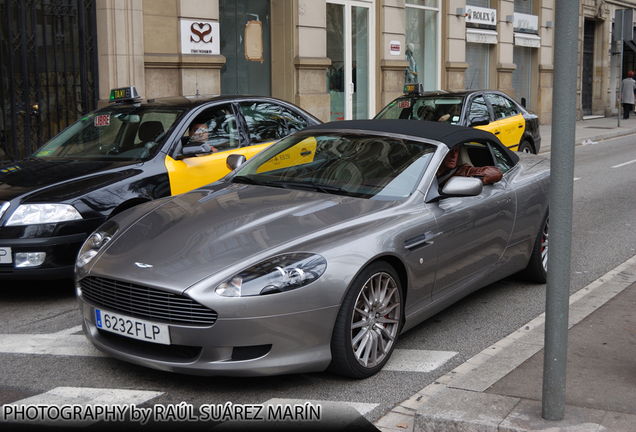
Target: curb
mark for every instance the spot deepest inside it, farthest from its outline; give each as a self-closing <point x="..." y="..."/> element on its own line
<point x="456" y="400"/>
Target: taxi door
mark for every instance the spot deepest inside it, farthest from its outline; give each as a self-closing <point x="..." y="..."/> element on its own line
<point x="478" y="108"/>
<point x="217" y="127"/>
<point x="509" y="120"/>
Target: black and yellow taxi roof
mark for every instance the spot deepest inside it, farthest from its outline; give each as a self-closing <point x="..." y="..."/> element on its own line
<point x="490" y="110"/>
<point x="123" y="155"/>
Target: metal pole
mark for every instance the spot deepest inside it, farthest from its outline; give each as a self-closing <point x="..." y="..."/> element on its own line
<point x="566" y="39"/>
<point x="621" y="108"/>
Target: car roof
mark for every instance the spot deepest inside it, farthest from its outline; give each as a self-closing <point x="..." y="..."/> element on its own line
<point x="446" y="133"/>
<point x="194" y="101"/>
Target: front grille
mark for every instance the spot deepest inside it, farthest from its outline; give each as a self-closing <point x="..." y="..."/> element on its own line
<point x="143" y="302"/>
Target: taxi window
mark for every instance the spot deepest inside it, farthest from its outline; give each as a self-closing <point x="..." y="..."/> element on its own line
<point x="215" y="126"/>
<point x="501" y="106"/>
<point x="265" y="121"/>
<point x="428" y="108"/>
<point x="114" y="132"/>
<point x="478" y="108"/>
<point x="295" y="122"/>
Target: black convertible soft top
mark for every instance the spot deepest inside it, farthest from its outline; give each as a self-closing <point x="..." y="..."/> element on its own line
<point x="450" y="135"/>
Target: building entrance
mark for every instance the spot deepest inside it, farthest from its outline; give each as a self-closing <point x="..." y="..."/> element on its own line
<point x="350" y="46"/>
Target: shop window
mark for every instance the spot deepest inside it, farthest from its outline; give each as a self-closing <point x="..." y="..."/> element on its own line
<point x="422" y="33"/>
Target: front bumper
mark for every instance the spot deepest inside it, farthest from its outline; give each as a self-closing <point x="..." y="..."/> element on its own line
<point x="61" y="252"/>
<point x="248" y="346"/>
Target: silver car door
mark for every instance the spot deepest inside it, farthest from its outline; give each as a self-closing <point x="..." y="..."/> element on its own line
<point x="474" y="233"/>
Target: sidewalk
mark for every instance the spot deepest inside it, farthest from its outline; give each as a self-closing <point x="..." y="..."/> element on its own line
<point x="592" y="130"/>
<point x="500" y="389"/>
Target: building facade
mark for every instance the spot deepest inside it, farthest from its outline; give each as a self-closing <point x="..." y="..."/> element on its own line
<point x="338" y="59"/>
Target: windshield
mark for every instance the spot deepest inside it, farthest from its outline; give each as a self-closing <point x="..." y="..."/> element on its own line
<point x="367" y="166"/>
<point x="121" y="133"/>
<point x="430" y="108"/>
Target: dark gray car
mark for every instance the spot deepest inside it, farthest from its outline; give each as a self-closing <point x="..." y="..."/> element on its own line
<point x="316" y="253"/>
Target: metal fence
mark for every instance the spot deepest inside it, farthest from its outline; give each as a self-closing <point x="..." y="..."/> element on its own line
<point x="48" y="52"/>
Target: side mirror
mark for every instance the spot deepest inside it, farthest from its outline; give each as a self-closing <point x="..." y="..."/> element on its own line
<point x="462" y="186"/>
<point x="234" y="161"/>
<point x="479" y="121"/>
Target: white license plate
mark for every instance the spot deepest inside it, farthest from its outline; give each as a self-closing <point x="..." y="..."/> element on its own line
<point x="132" y="327"/>
<point x="5" y="255"/>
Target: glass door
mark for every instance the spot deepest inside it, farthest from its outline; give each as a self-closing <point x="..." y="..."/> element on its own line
<point x="350" y="77"/>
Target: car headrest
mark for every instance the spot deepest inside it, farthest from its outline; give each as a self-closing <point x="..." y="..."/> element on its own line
<point x="149" y="130"/>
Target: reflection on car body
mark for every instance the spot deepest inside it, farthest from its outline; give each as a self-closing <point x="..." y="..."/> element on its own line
<point x="125" y="154"/>
<point x="490" y="110"/>
<point x="316" y="253"/>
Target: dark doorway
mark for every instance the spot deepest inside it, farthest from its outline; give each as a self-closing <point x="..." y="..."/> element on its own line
<point x="588" y="67"/>
<point x="48" y="52"/>
<point x="245" y="32"/>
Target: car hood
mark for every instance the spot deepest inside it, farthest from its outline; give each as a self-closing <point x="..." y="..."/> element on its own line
<point x="55" y="181"/>
<point x="224" y="230"/>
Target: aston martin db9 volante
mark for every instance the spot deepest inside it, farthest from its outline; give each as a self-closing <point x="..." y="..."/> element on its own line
<point x="316" y="253"/>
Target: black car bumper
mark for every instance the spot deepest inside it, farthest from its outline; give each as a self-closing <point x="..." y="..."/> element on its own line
<point x="61" y="252"/>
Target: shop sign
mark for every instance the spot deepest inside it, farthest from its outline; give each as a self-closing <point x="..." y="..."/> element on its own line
<point x="200" y="37"/>
<point x="524" y="23"/>
<point x="481" y="36"/>
<point x="395" y="47"/>
<point x="483" y="16"/>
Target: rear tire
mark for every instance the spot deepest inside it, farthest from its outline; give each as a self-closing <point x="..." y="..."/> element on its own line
<point x="525" y="147"/>
<point x="537" y="269"/>
<point x="368" y="324"/>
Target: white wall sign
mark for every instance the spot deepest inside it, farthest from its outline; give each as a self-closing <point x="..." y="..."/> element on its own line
<point x="395" y="47"/>
<point x="478" y="15"/>
<point x="200" y="37"/>
<point x="526" y="23"/>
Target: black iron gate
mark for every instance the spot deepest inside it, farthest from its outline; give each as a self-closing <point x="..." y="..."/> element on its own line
<point x="587" y="87"/>
<point x="48" y="51"/>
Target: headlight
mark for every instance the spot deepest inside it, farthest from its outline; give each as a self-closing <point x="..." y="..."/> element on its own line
<point x="278" y="274"/>
<point x="30" y="214"/>
<point x="94" y="243"/>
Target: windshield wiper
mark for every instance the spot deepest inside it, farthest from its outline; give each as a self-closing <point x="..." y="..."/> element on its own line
<point x="248" y="180"/>
<point x="312" y="185"/>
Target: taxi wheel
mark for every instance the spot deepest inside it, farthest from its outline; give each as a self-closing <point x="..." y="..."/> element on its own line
<point x="368" y="324"/>
<point x="525" y="147"/>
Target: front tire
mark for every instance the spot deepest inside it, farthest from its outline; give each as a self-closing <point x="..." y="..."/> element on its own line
<point x="537" y="269"/>
<point x="368" y="323"/>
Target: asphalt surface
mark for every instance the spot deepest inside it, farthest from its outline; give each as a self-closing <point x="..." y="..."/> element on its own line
<point x="501" y="388"/>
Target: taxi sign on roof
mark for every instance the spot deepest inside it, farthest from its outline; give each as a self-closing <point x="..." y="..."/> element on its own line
<point x="123" y="93"/>
<point x="413" y="88"/>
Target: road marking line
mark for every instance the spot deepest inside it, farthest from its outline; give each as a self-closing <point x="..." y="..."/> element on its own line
<point x="90" y="398"/>
<point x="362" y="408"/>
<point x="51" y="344"/>
<point x="69" y="331"/>
<point x="417" y="360"/>
<point x="625" y="163"/>
<point x="577" y="178"/>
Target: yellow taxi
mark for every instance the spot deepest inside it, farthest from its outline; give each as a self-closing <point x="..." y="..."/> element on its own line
<point x="490" y="110"/>
<point x="131" y="152"/>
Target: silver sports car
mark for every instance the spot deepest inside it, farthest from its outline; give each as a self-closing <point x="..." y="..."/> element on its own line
<point x="315" y="254"/>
